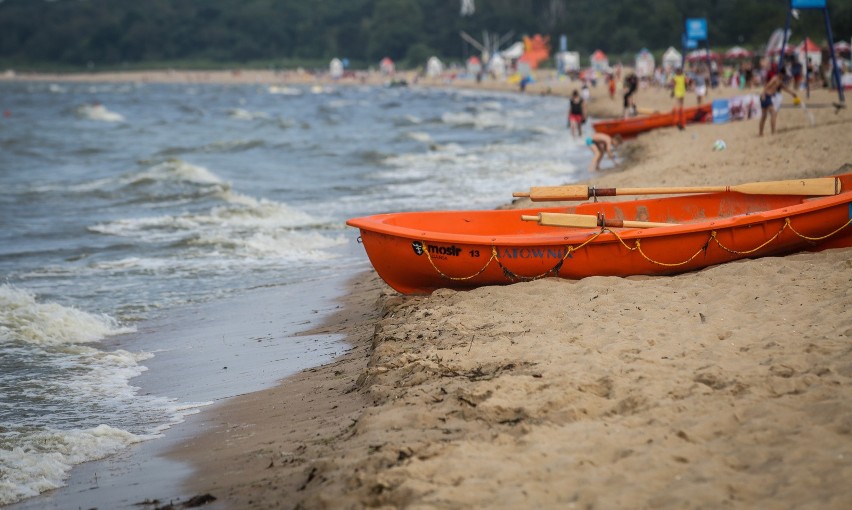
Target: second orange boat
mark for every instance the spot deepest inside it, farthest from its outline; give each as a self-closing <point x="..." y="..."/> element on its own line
<point x="632" y="126"/>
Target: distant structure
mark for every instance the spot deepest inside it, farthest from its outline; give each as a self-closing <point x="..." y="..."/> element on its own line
<point x="434" y="67"/>
<point x="490" y="44"/>
<point x="467" y="8"/>
<point x="335" y="68"/>
<point x="644" y="64"/>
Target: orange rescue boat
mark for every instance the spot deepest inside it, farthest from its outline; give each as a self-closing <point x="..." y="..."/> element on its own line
<point x="418" y="252"/>
<point x="630" y="127"/>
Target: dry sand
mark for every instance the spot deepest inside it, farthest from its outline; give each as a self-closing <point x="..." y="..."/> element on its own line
<point x="727" y="387"/>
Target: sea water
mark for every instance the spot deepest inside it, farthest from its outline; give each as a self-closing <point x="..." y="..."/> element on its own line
<point x="124" y="202"/>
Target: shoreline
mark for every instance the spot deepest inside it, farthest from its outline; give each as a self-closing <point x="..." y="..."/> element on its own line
<point x="495" y="397"/>
<point x="205" y="354"/>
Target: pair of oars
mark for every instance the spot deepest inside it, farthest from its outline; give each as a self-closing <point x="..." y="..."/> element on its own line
<point x="821" y="186"/>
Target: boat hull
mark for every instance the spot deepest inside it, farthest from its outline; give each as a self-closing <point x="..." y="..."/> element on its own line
<point x="417" y="253"/>
<point x="633" y="126"/>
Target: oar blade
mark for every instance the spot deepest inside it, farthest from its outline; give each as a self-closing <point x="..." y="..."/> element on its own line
<point x="567" y="220"/>
<point x="820" y="186"/>
<point x="547" y="219"/>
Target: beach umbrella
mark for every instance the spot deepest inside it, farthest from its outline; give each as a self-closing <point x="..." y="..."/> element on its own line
<point x="843" y="48"/>
<point x="738" y="52"/>
<point x="698" y="55"/>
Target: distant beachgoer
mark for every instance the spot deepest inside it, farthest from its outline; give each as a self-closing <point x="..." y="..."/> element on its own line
<point x="767" y="104"/>
<point x="700" y="86"/>
<point x="576" y="114"/>
<point x="797" y="70"/>
<point x="585" y="92"/>
<point x="679" y="92"/>
<point x="631" y="84"/>
<point x="611" y="83"/>
<point x="600" y="144"/>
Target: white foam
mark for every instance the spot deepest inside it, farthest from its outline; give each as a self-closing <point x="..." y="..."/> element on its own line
<point x="99" y="112"/>
<point x="41" y="461"/>
<point x="172" y="170"/>
<point x="483" y="119"/>
<point x="243" y="114"/>
<point x="284" y="91"/>
<point x="413" y="119"/>
<point x="24" y="319"/>
<point x="175" y="170"/>
<point x="419" y="136"/>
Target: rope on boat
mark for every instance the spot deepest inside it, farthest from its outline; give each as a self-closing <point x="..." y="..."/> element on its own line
<point x="462" y="278"/>
<point x="637" y="246"/>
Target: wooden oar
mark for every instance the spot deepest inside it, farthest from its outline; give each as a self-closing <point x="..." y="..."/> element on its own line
<point x="813" y="187"/>
<point x="587" y="221"/>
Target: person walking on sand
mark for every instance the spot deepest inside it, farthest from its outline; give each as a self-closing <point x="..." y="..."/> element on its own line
<point x="700" y="86"/>
<point x="601" y="143"/>
<point x="631" y="84"/>
<point x="576" y="114"/>
<point x="767" y="105"/>
<point x="679" y="92"/>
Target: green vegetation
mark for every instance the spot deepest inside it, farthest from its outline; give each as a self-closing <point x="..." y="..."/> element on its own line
<point x="134" y="34"/>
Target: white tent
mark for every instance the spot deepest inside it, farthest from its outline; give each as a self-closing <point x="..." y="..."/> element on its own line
<point x="474" y="65"/>
<point x="808" y="50"/>
<point x="387" y="66"/>
<point x="434" y="67"/>
<point x="644" y="64"/>
<point x="599" y="60"/>
<point x="335" y="68"/>
<point x="497" y="65"/>
<point x="569" y="61"/>
<point x="672" y="59"/>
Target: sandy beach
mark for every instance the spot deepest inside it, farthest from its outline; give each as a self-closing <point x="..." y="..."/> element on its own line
<point x="728" y="387"/>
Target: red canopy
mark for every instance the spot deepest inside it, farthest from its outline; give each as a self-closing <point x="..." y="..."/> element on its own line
<point x="598" y="55"/>
<point x="738" y="52"/>
<point x="697" y="55"/>
<point x="843" y="47"/>
<point x="809" y="46"/>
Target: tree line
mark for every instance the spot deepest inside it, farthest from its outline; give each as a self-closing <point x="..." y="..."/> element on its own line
<point x="111" y="33"/>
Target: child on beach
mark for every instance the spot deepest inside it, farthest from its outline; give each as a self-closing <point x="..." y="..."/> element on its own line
<point x="679" y="92"/>
<point x="767" y="105"/>
<point x="601" y="143"/>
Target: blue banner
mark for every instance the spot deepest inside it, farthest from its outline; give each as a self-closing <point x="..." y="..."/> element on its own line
<point x="689" y="44"/>
<point x="696" y="29"/>
<point x="807" y="4"/>
<point x="721" y="111"/>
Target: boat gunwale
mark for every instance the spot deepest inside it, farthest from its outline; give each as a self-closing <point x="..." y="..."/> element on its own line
<point x="566" y="236"/>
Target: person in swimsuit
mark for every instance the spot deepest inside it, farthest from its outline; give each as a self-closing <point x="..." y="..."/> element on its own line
<point x="767" y="106"/>
<point x="576" y="114"/>
<point x="679" y="92"/>
<point x="601" y="143"/>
